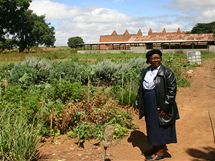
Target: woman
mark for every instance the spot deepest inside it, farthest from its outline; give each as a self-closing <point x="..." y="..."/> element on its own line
<point x="156" y="101"/>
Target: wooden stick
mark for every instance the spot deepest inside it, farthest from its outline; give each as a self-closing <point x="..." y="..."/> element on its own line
<point x="212" y="124"/>
<point x="105" y="154"/>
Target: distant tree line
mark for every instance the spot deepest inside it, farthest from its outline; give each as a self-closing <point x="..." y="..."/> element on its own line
<point x="21" y="28"/>
<point x="201" y="28"/>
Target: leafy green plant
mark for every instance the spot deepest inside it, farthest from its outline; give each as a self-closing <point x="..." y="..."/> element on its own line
<point x="119" y="131"/>
<point x="70" y="71"/>
<point x="85" y="130"/>
<point x="5" y="71"/>
<point x="104" y="73"/>
<point x="31" y="71"/>
<point x="66" y="91"/>
<point x="94" y="116"/>
<point x="126" y="90"/>
<point x="12" y="94"/>
<point x="177" y="63"/>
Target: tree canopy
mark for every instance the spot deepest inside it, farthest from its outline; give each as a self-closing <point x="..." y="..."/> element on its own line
<point x="74" y="41"/>
<point x="204" y="28"/>
<point x="21" y="27"/>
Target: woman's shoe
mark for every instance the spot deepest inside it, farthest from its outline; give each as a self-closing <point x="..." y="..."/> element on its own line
<point x="158" y="157"/>
<point x="154" y="157"/>
<point x="153" y="150"/>
<point x="148" y="157"/>
<point x="157" y="153"/>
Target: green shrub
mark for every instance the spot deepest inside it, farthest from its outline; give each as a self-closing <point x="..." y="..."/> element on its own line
<point x="125" y="95"/>
<point x="177" y="63"/>
<point x="12" y="94"/>
<point x="137" y="63"/>
<point x="48" y="109"/>
<point x="130" y="71"/>
<point x="103" y="73"/>
<point x="123" y="118"/>
<point x="95" y="115"/>
<point x="31" y="71"/>
<point x="5" y="71"/>
<point x="65" y="91"/>
<point x="126" y="88"/>
<point x="119" y="131"/>
<point x="121" y="122"/>
<point x="71" y="71"/>
<point x="85" y="130"/>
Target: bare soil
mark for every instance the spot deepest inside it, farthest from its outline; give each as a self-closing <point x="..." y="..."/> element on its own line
<point x="194" y="130"/>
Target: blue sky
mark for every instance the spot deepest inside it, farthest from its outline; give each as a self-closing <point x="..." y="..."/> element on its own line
<point x="91" y="18"/>
<point x="129" y="7"/>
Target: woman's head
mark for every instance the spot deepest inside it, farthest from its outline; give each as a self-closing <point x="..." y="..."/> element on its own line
<point x="154" y="57"/>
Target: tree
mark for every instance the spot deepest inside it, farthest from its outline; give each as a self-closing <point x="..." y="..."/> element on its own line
<point x="25" y="28"/>
<point x="34" y="31"/>
<point x="7" y="44"/>
<point x="204" y="28"/>
<point x="11" y="12"/>
<point x="214" y="31"/>
<point x="73" y="42"/>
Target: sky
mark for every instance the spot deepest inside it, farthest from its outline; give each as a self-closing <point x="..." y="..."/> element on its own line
<point x="89" y="19"/>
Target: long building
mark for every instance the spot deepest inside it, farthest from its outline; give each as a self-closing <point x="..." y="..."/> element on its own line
<point x="164" y="40"/>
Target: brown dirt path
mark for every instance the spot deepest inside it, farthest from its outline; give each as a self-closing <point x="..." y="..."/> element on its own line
<point x="194" y="132"/>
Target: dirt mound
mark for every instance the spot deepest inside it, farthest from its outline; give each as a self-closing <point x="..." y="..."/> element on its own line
<point x="194" y="131"/>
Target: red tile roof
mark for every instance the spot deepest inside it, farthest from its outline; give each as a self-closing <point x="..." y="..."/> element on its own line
<point x="156" y="36"/>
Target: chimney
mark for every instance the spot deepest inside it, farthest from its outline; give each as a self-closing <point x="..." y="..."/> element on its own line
<point x="179" y="30"/>
<point x="139" y="33"/>
<point x="114" y="33"/>
<point x="126" y="33"/>
<point x="150" y="31"/>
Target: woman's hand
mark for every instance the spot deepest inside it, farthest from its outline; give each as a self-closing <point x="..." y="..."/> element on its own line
<point x="161" y="112"/>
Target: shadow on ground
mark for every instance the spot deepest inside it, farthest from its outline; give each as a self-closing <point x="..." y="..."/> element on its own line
<point x="207" y="154"/>
<point x="139" y="139"/>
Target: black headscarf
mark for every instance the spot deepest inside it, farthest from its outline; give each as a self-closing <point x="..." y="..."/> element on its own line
<point x="151" y="52"/>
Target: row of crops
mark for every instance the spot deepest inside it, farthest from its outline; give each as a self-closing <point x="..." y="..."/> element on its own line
<point x="41" y="97"/>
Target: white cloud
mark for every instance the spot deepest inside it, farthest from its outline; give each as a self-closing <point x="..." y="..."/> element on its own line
<point x="72" y="21"/>
<point x="206" y="16"/>
<point x="90" y="23"/>
<point x="53" y="10"/>
<point x="172" y="26"/>
<point x="100" y="15"/>
<point x="194" y="4"/>
<point x="201" y="11"/>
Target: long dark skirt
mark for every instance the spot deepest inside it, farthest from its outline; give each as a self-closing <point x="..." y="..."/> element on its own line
<point x="157" y="135"/>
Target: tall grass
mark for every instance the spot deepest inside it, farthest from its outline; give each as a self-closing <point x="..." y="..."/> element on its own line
<point x="18" y="139"/>
<point x="48" y="53"/>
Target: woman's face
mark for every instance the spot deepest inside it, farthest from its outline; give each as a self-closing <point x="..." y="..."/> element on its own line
<point x="155" y="60"/>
